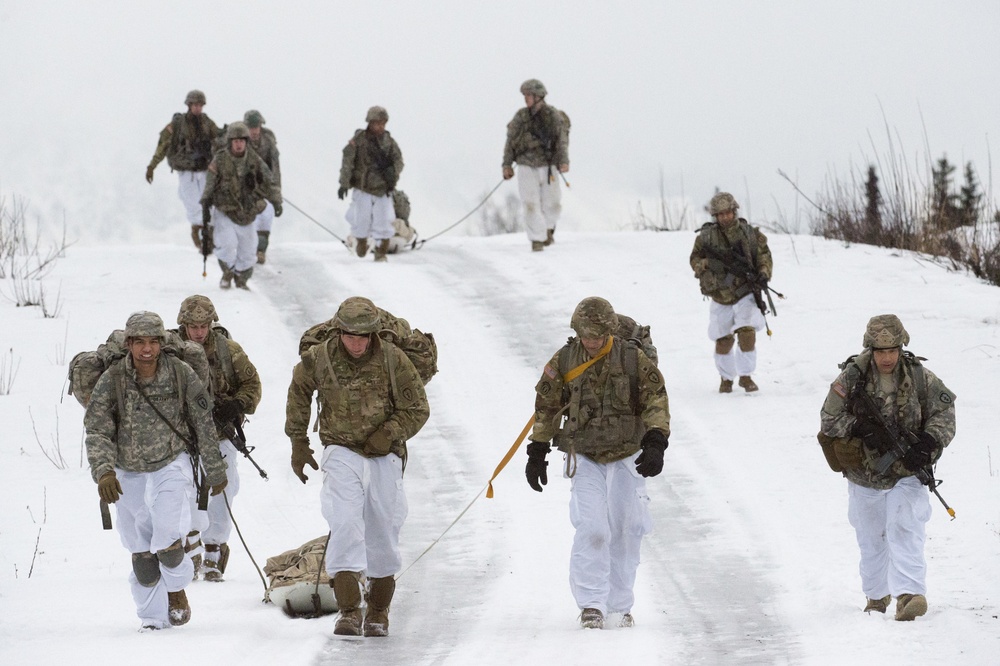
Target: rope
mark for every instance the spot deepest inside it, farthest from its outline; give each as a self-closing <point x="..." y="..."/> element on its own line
<point x="314" y="221"/>
<point x="417" y="246"/>
<point x="434" y="543"/>
<point x="267" y="594"/>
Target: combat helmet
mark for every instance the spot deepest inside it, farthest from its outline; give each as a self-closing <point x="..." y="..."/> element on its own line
<point x="594" y="318"/>
<point x="357" y="316"/>
<point x="885" y="332"/>
<point x="253" y="118"/>
<point x="533" y="87"/>
<point x="377" y="114"/>
<point x="144" y="324"/>
<point x="197" y="310"/>
<point x="237" y="130"/>
<point x="195" y="97"/>
<point x="722" y="202"/>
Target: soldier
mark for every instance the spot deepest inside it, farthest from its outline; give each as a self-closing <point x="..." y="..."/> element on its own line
<point x="239" y="186"/>
<point x="538" y="140"/>
<point x="371" y="401"/>
<point x="265" y="144"/>
<point x="605" y="406"/>
<point x="186" y="142"/>
<point x="236" y="391"/>
<point x="141" y="415"/>
<point x="372" y="164"/>
<point x="888" y="510"/>
<point x="719" y="246"/>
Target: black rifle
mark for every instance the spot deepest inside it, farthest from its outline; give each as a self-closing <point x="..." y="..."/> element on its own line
<point x="233" y="431"/>
<point x="206" y="239"/>
<point x="899" y="440"/>
<point x="736" y="265"/>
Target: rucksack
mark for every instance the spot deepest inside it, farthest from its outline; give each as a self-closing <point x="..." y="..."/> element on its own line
<point x="418" y="346"/>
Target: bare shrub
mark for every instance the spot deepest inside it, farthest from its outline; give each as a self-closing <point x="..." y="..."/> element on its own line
<point x="8" y="372"/>
<point x="502" y="218"/>
<point x="23" y="259"/>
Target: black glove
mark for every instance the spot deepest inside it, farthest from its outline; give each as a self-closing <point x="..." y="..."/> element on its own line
<point x="228" y="410"/>
<point x="277" y="210"/>
<point x="341" y="193"/>
<point x="650" y="461"/>
<point x="206" y="215"/>
<point x="535" y="467"/>
<point x="872" y="435"/>
<point x="921" y="453"/>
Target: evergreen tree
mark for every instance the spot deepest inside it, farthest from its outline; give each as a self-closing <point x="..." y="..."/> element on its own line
<point x="944" y="210"/>
<point x="871" y="230"/>
<point x="970" y="198"/>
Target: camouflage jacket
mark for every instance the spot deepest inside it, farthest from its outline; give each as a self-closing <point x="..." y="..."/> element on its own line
<point x="267" y="147"/>
<point x="739" y="241"/>
<point x="604" y="412"/>
<point x="123" y="431"/>
<point x="356" y="396"/>
<point x="537" y="139"/>
<point x="186" y="142"/>
<point x="629" y="329"/>
<point x="371" y="163"/>
<point x="238" y="186"/>
<point x="919" y="402"/>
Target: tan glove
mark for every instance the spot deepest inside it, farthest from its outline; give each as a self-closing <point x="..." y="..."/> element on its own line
<point x="302" y="456"/>
<point x="700" y="266"/>
<point x="378" y="443"/>
<point x="149" y="174"/>
<point x="108" y="487"/>
<point x="508" y="173"/>
<point x="219" y="487"/>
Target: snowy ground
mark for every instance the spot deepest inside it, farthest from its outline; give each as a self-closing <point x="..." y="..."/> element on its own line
<point x="751" y="561"/>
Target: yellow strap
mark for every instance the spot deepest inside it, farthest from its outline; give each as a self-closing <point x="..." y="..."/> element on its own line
<point x="580" y="369"/>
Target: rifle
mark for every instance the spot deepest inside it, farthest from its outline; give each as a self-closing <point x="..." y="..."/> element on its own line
<point x="900" y="440"/>
<point x="233" y="431"/>
<point x="740" y="267"/>
<point x="206" y="240"/>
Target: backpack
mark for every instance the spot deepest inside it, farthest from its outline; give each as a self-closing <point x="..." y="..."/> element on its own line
<point x="418" y="346"/>
<point x="88" y="366"/>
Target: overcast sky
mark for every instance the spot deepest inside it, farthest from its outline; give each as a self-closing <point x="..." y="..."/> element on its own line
<point x="716" y="94"/>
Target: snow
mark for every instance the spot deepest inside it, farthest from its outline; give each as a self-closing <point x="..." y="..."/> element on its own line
<point x="752" y="559"/>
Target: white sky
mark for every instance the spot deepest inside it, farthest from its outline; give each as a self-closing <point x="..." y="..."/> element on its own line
<point x="716" y="94"/>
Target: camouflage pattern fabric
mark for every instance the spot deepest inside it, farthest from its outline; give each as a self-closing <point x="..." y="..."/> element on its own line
<point x="401" y="204"/>
<point x="537" y="139"/>
<point x="238" y="186"/>
<point x="299" y="565"/>
<point x="601" y="421"/>
<point x="885" y="332"/>
<point x="738" y="239"/>
<point x="933" y="412"/>
<point x="371" y="163"/>
<point x="186" y="142"/>
<point x="356" y="396"/>
<point x="134" y="438"/>
<point x="267" y="148"/>
<point x="630" y="329"/>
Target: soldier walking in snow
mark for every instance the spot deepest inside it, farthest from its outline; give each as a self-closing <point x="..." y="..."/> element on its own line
<point x="239" y="185"/>
<point x="604" y="405"/>
<point x="141" y="415"/>
<point x="538" y="140"/>
<point x="887" y="502"/>
<point x="265" y="144"/>
<point x="371" y="401"/>
<point x="371" y="166"/>
<point x="186" y="142"/>
<point x="721" y="251"/>
<point x="236" y="391"/>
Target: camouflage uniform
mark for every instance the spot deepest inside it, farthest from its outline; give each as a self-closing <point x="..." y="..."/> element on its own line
<point x="369" y="406"/>
<point x="265" y="145"/>
<point x="404" y="235"/>
<point x="733" y="308"/>
<point x="888" y="511"/>
<point x="538" y="140"/>
<point x="601" y="420"/>
<point x="144" y="451"/>
<point x="186" y="143"/>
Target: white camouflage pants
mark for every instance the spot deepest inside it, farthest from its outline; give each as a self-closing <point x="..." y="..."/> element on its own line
<point x="364" y="503"/>
<point x="153" y="512"/>
<point x="190" y="187"/>
<point x="235" y="245"/>
<point x="609" y="508"/>
<point x="891" y="529"/>
<point x="265" y="220"/>
<point x="541" y="198"/>
<point x="722" y="321"/>
<point x="371" y="216"/>
<point x="215" y="524"/>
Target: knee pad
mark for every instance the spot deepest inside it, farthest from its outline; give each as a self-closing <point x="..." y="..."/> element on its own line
<point x="172" y="555"/>
<point x="724" y="345"/>
<point x="146" y="568"/>
<point x="747" y="338"/>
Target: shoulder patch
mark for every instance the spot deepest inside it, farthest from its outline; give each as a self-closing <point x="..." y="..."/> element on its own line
<point x="945" y="398"/>
<point x="202" y="402"/>
<point x="549" y="372"/>
<point x="839" y="389"/>
<point x="653" y="377"/>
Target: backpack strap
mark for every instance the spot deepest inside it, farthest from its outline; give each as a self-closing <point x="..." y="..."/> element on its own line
<point x="630" y="363"/>
<point x="390" y="362"/>
<point x="225" y="358"/>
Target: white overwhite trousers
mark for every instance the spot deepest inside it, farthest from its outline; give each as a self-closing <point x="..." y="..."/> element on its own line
<point x="265" y="220"/>
<point x="364" y="503"/>
<point x="609" y="508"/>
<point x="541" y="198"/>
<point x="891" y="529"/>
<point x="370" y="216"/>
<point x="190" y="187"/>
<point x="722" y="321"/>
<point x="235" y="245"/>
<point x="153" y="512"/>
<point x="215" y="524"/>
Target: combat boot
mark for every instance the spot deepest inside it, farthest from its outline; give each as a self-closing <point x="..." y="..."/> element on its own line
<point x="380" y="591"/>
<point x="382" y="250"/>
<point x="551" y="238"/>
<point x="179" y="608"/>
<point x="748" y="384"/>
<point x="591" y="618"/>
<point x="362" y="247"/>
<point x="347" y="590"/>
<point x="878" y="605"/>
<point x="910" y="606"/>
<point x="242" y="277"/>
<point x="223" y="556"/>
<point x="194" y="548"/>
<point x="227" y="276"/>
<point x="537" y="246"/>
<point x="726" y="386"/>
<point x="210" y="565"/>
<point x="263" y="237"/>
<point x="627" y="621"/>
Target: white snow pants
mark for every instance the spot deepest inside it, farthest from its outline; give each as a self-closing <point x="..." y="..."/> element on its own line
<point x="609" y="508"/>
<point x="216" y="524"/>
<point x="190" y="187"/>
<point x="235" y="245"/>
<point x="153" y="512"/>
<point x="891" y="530"/>
<point x="265" y="220"/>
<point x="364" y="503"/>
<point x="722" y="321"/>
<point x="371" y="216"/>
<point x="541" y="198"/>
